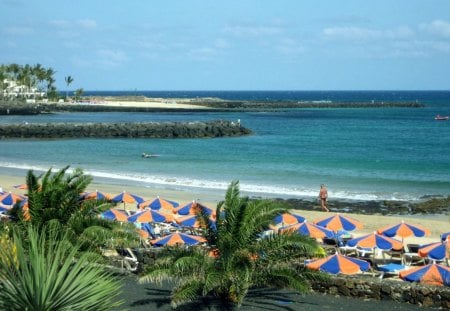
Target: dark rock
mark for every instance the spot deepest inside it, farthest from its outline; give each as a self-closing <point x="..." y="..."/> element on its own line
<point x="219" y="128"/>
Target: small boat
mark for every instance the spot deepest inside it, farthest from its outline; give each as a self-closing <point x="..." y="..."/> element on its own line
<point x="441" y="118"/>
<point x="149" y="155"/>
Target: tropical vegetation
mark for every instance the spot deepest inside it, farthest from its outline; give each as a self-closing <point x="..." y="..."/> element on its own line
<point x="44" y="271"/>
<point x="51" y="255"/>
<point x="30" y="77"/>
<point x="239" y="258"/>
<point x="54" y="200"/>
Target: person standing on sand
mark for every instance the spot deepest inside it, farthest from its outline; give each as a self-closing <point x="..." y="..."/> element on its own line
<point x="323" y="196"/>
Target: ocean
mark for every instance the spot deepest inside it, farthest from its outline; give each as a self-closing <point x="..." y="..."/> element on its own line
<point x="359" y="153"/>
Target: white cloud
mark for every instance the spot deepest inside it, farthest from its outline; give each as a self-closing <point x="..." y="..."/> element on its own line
<point x="290" y="47"/>
<point x="60" y="23"/>
<point x="252" y="31"/>
<point x="18" y="30"/>
<point x="111" y="58"/>
<point x="437" y="27"/>
<point x="87" y="23"/>
<point x="367" y="34"/>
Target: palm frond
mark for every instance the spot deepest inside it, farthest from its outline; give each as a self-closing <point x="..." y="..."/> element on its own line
<point x="48" y="278"/>
<point x="186" y="292"/>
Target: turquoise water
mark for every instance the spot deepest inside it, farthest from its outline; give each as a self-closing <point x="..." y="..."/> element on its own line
<point x="392" y="153"/>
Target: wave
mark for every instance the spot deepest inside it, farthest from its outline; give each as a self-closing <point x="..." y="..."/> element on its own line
<point x="185" y="184"/>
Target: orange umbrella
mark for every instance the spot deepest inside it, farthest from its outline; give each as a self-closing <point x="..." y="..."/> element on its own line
<point x="435" y="251"/>
<point x="404" y="230"/>
<point x="126" y="197"/>
<point x="373" y="240"/>
<point x="21" y="186"/>
<point x="10" y="198"/>
<point x="97" y="195"/>
<point x="178" y="238"/>
<point x="150" y="216"/>
<point x="309" y="229"/>
<point x="158" y="204"/>
<point x="337" y="263"/>
<point x="432" y="274"/>
<point x="114" y="214"/>
<point x="286" y="219"/>
<point x="192" y="221"/>
<point x="339" y="222"/>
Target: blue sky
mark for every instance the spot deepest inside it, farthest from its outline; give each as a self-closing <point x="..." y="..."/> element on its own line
<point x="233" y="44"/>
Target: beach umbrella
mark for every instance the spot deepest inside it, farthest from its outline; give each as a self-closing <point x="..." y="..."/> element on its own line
<point x="445" y="236"/>
<point x="193" y="208"/>
<point x="178" y="238"/>
<point x="10" y="198"/>
<point x="435" y="251"/>
<point x="373" y="240"/>
<point x="150" y="216"/>
<point x="192" y="221"/>
<point x="339" y="264"/>
<point x="431" y="274"/>
<point x="21" y="186"/>
<point x="286" y="219"/>
<point x="309" y="229"/>
<point x="114" y="214"/>
<point x="126" y="197"/>
<point x="96" y="195"/>
<point x="159" y="203"/>
<point x="339" y="222"/>
<point x="404" y="230"/>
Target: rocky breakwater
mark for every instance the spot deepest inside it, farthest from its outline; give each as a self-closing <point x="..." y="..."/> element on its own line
<point x="219" y="128"/>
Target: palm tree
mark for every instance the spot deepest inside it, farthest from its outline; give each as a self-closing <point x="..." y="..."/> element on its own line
<point x="69" y="81"/>
<point x="241" y="258"/>
<point x="54" y="199"/>
<point x="41" y="273"/>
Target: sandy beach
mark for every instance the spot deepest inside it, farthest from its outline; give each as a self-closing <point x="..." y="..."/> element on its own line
<point x="436" y="223"/>
<point x="153" y="297"/>
<point x="145" y="102"/>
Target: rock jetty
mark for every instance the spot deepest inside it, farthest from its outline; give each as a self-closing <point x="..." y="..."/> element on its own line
<point x="219" y="128"/>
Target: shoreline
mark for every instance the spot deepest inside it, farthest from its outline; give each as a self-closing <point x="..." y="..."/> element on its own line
<point x="437" y="223"/>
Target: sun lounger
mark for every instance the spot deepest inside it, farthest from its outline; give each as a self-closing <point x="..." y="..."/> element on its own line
<point x="391" y="269"/>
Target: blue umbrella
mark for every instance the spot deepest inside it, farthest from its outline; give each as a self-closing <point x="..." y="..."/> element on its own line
<point x="337" y="263"/>
<point x="126" y="197"/>
<point x="288" y="219"/>
<point x="178" y="238"/>
<point x="432" y="274"/>
<point x="444" y="236"/>
<point x="159" y="203"/>
<point x="194" y="208"/>
<point x="435" y="251"/>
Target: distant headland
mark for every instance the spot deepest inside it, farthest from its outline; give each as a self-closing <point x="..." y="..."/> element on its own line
<point x="145" y="104"/>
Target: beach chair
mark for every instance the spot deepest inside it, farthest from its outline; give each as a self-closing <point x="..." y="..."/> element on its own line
<point x="391" y="269"/>
<point x="393" y="255"/>
<point x="412" y="257"/>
